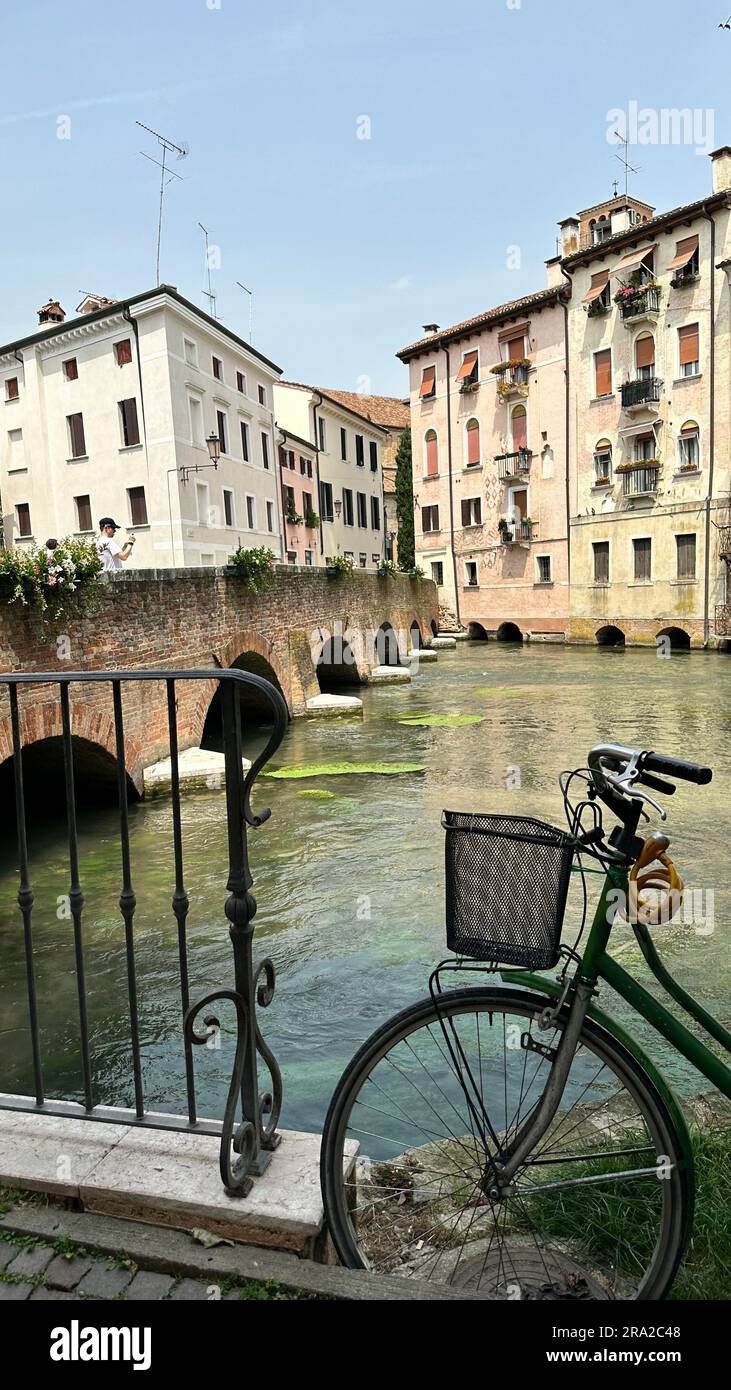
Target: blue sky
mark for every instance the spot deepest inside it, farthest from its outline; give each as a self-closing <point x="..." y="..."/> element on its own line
<point x="487" y="124"/>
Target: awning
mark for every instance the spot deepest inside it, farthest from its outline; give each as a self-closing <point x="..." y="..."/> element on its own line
<point x="469" y="362"/>
<point x="684" y="252"/>
<point x="648" y="427"/>
<point x="633" y="261"/>
<point x="598" y="285"/>
<point x="428" y="378"/>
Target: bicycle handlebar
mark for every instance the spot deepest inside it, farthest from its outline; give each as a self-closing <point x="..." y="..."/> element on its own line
<point x="677" y="767"/>
<point x="618" y="771"/>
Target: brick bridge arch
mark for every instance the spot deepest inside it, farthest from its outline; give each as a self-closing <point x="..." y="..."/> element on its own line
<point x="40" y="722"/>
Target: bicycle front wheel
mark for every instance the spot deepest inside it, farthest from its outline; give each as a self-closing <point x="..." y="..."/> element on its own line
<point x="413" y="1138"/>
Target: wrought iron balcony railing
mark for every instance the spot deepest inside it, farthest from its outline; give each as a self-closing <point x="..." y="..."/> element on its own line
<point x="641" y="482"/>
<point x="640" y="303"/>
<point x="644" y="391"/>
<point x="515" y="464"/>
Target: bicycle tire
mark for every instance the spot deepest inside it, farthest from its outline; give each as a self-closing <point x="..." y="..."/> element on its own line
<point x="339" y="1190"/>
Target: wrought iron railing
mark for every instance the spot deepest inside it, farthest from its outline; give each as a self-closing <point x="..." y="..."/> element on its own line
<point x="514" y="465"/>
<point x="643" y="302"/>
<point x="248" y="1130"/>
<point x="640" y="482"/>
<point x="641" y="391"/>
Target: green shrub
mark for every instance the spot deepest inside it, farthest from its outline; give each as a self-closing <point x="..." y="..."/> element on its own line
<point x="255" y="567"/>
<point x="64" y="584"/>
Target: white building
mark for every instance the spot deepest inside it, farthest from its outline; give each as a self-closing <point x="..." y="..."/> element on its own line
<point x="108" y="414"/>
<point x="349" y="471"/>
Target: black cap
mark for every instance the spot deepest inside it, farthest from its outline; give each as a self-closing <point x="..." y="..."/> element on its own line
<point x="108" y="521"/>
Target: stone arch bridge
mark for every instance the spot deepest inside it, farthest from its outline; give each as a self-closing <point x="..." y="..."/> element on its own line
<point x="196" y="619"/>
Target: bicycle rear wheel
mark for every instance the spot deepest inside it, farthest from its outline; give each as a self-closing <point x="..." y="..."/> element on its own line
<point x="600" y="1209"/>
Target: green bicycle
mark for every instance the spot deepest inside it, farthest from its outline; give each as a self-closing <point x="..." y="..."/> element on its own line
<point x="511" y="1140"/>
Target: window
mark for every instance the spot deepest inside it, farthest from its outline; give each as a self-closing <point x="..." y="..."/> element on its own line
<point x="251" y="512"/>
<point x="375" y="558"/>
<point x="645" y="448"/>
<point x="430" y="518"/>
<point x="685" y="263"/>
<point x="130" y="425"/>
<point x="428" y="388"/>
<point x="471" y="511"/>
<point x="195" y="411"/>
<point x="689" y="452"/>
<point x="308" y="557"/>
<point x="603" y="372"/>
<point x="241" y="383"/>
<point x="375" y="514"/>
<point x="362" y="502"/>
<point x="326" y="501"/>
<point x="321" y="433"/>
<point x="349" y="555"/>
<point x="77" y="442"/>
<point x="290" y="502"/>
<point x="513" y="349"/>
<point x="688" y="350"/>
<point x="432" y="453"/>
<point x="601" y="230"/>
<point x="222" y="429"/>
<point x="261" y="392"/>
<point x="22" y="515"/>
<point x="344" y="445"/>
<point x="229" y="515"/>
<point x="373" y="452"/>
<point x="217" y="368"/>
<point x="291" y="557"/>
<point x="645" y="357"/>
<point x="244" y="441"/>
<point x="601" y="561"/>
<point x="685" y="555"/>
<point x="473" y="443"/>
<point x="137" y="506"/>
<point x="307" y="507"/>
<point x="123" y="352"/>
<point x="470" y="573"/>
<point x="190" y="352"/>
<point x="83" y="513"/>
<point x="201" y="498"/>
<point x="597" y="298"/>
<point x="543" y="565"/>
<point x="71" y="369"/>
<point x="348" y="506"/>
<point x="265" y="450"/>
<point x="519" y="428"/>
<point x="602" y="463"/>
<point x="270" y="516"/>
<point x="16" y="448"/>
<point x="363" y="559"/>
<point x="359" y="453"/>
<point x="642" y="559"/>
<point x="467" y="374"/>
<point x="437" y="572"/>
<point x="11" y="388"/>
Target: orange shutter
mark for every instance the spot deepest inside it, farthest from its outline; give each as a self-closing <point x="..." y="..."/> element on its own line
<point x="432" y="458"/>
<point x="516" y="349"/>
<point x="473" y="444"/>
<point x="603" y="372"/>
<point x="428" y="382"/>
<point x="598" y="285"/>
<point x="645" y="351"/>
<point x="688" y="339"/>
<point x="468" y="366"/>
<point x="520" y="430"/>
<point x="684" y="251"/>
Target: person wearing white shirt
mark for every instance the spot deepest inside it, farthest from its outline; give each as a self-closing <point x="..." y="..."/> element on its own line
<point x="111" y="553"/>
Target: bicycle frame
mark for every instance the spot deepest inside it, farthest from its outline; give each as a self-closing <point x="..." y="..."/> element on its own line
<point x="596" y="965"/>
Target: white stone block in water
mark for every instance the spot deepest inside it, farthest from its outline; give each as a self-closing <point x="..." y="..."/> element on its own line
<point x="389" y="675"/>
<point x="329" y="706"/>
<point x="443" y="644"/>
<point x="422" y="654"/>
<point x="198" y="771"/>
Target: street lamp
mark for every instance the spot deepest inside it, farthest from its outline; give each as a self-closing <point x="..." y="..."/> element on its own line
<point x="214" y="448"/>
<point x="338" y="508"/>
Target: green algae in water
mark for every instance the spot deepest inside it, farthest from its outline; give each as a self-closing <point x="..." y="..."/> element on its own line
<point x="441" y="721"/>
<point x="318" y="792"/>
<point x="343" y="769"/>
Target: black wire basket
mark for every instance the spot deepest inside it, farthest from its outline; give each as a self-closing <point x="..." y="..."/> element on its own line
<point x="507" y="878"/>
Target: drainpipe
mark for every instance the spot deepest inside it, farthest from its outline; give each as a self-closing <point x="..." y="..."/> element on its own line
<point x="567" y="426"/>
<point x="445" y="350"/>
<point x="280" y="494"/>
<point x="317" y="469"/>
<point x="711" y="430"/>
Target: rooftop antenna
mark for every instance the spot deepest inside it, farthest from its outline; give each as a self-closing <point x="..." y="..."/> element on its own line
<point x="628" y="168"/>
<point x="167" y="147"/>
<point x="209" y="294"/>
<point x="250" y="293"/>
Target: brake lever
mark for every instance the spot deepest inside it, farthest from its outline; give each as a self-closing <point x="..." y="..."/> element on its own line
<point x="624" y="782"/>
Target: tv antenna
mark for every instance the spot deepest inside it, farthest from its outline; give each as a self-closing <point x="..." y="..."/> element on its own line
<point x="209" y="294"/>
<point x="167" y="147"/>
<point x="628" y="168"/>
<point x="250" y="293"/>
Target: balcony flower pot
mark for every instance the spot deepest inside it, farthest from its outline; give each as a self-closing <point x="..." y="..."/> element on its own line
<point x="254" y="567"/>
<point x="601" y="482"/>
<point x="680" y="281"/>
<point x="337" y="564"/>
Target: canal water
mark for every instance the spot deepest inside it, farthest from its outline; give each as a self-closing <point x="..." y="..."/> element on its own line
<point x="350" y="884"/>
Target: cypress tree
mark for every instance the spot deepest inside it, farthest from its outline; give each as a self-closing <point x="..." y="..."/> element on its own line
<point x="405" y="502"/>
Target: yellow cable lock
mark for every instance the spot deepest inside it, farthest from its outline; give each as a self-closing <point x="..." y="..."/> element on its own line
<point x="654" y="869"/>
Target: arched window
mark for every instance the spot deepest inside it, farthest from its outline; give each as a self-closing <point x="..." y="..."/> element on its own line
<point x="472" y="433"/>
<point x="432" y="453"/>
<point x="645" y="356"/>
<point x="519" y="428"/>
<point x="602" y="463"/>
<point x="689" y="447"/>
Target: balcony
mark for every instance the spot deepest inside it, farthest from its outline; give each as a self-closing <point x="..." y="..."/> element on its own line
<point x="641" y="480"/>
<point x="514" y="465"/>
<point x="512" y="533"/>
<point x="636" y="303"/>
<point x="724" y="543"/>
<point x="644" y="391"/>
<point x="511" y="379"/>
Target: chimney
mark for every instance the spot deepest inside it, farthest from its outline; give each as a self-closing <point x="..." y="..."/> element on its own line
<point x="569" y="229"/>
<point x="51" y="312"/>
<point x="91" y="302"/>
<point x="721" y="167"/>
<point x="430" y="328"/>
<point x="554" y="274"/>
<point x="621" y="220"/>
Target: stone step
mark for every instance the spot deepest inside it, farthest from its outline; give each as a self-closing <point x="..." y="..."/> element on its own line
<point x="388" y="675"/>
<point x="198" y="771"/>
<point x="421" y="654"/>
<point x="333" y="706"/>
<point x="443" y="644"/>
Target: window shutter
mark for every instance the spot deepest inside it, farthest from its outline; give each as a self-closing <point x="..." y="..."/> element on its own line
<point x="469" y="366"/>
<point x="428" y="382"/>
<point x="473" y="442"/>
<point x="78" y="442"/>
<point x="432" y="458"/>
<point x="516" y="349"/>
<point x="138" y="506"/>
<point x="603" y="372"/>
<point x="465" y="511"/>
<point x="684" y="252"/>
<point x="598" y="285"/>
<point x="688" y="341"/>
<point x="12" y="388"/>
<point x="130" y="426"/>
<point x="686" y="556"/>
<point x="645" y="351"/>
<point x="519" y="423"/>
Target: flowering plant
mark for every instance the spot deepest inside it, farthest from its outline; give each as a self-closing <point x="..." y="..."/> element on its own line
<point x="255" y="567"/>
<point x="57" y="583"/>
